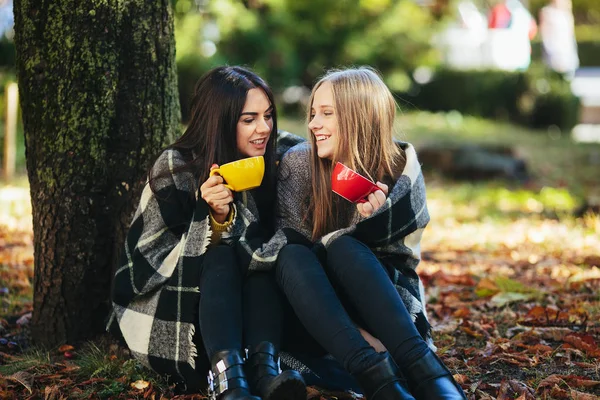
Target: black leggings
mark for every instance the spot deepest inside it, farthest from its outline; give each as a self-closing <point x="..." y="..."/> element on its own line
<point x="237" y="312"/>
<point x="365" y="288"/>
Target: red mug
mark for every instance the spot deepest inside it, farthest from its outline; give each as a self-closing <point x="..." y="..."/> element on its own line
<point x="351" y="185"/>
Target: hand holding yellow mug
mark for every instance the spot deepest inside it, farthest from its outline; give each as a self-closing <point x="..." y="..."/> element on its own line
<point x="243" y="174"/>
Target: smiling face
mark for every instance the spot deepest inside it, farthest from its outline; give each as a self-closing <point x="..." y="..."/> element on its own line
<point x="323" y="121"/>
<point x="255" y="124"/>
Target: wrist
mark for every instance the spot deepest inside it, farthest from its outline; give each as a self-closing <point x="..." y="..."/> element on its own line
<point x="219" y="218"/>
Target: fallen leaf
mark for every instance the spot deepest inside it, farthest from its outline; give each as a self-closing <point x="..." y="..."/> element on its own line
<point x="140" y="384"/>
<point x="585" y="343"/>
<point x="504" y="298"/>
<point x="471" y="332"/>
<point x="52" y="393"/>
<point x="508" y="390"/>
<point x="586" y="365"/>
<point x="24" y="378"/>
<point x="461" y="379"/>
<point x="92" y="381"/>
<point x="577" y="395"/>
<point x="462" y="312"/>
<point x="592" y="260"/>
<point x="486" y="287"/>
<point x="551" y="381"/>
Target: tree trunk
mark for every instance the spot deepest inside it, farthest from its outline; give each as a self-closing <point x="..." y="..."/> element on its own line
<point x="99" y="99"/>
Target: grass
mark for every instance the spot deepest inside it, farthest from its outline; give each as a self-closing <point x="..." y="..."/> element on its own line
<point x="26" y="361"/>
<point x="100" y="369"/>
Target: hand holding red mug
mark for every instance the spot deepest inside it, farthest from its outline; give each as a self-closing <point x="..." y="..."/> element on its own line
<point x="217" y="195"/>
<point x="374" y="201"/>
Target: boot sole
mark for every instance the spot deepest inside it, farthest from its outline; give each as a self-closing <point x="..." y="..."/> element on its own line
<point x="286" y="388"/>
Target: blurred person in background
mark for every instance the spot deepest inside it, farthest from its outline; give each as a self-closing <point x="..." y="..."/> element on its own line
<point x="557" y="28"/>
<point x="512" y="27"/>
<point x="500" y="15"/>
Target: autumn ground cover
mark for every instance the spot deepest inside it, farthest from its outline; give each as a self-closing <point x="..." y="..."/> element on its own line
<point x="512" y="273"/>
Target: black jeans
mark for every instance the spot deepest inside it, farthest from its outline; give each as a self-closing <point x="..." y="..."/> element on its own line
<point x="237" y="311"/>
<point x="365" y="290"/>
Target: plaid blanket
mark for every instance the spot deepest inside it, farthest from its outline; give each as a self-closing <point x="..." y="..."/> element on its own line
<point x="155" y="289"/>
<point x="393" y="232"/>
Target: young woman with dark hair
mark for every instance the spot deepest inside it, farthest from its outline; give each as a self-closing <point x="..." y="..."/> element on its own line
<point x="179" y="273"/>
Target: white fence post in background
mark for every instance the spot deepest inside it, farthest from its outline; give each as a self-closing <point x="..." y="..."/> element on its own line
<point x="10" y="130"/>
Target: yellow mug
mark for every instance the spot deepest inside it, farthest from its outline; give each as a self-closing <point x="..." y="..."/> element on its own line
<point x="243" y="174"/>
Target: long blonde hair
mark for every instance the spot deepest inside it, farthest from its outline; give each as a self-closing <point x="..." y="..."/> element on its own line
<point x="365" y="110"/>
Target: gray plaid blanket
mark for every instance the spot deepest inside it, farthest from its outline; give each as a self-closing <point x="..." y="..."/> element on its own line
<point x="155" y="289"/>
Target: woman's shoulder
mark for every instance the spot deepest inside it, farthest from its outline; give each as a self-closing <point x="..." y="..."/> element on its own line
<point x="294" y="168"/>
<point x="168" y="159"/>
<point x="168" y="170"/>
<point x="285" y="141"/>
<point x="297" y="155"/>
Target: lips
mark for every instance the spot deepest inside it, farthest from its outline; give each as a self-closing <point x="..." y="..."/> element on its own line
<point x="259" y="142"/>
<point x="320" y="138"/>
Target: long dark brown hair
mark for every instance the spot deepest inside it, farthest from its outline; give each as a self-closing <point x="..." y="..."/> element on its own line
<point x="365" y="110"/>
<point x="210" y="138"/>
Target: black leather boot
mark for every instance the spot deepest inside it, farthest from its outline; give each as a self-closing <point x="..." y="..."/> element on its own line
<point x="382" y="381"/>
<point x="429" y="379"/>
<point x="226" y="379"/>
<point x="266" y="379"/>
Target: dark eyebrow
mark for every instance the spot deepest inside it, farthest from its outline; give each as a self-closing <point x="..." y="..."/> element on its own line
<point x="255" y="114"/>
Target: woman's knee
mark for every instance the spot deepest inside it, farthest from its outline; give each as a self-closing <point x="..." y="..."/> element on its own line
<point x="342" y="245"/>
<point x="342" y="248"/>
<point x="292" y="263"/>
<point x="349" y="258"/>
<point x="219" y="257"/>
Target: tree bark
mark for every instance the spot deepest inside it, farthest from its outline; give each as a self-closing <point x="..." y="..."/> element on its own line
<point x="99" y="99"/>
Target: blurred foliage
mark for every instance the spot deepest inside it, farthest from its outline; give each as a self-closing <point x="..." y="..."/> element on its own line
<point x="293" y="42"/>
<point x="537" y="98"/>
<point x="7" y="53"/>
<point x="496" y="200"/>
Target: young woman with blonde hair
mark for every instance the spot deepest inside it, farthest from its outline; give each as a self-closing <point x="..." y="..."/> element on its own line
<point x="344" y="265"/>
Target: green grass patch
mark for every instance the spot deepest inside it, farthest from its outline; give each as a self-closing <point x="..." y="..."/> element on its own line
<point x="97" y="360"/>
<point x="494" y="200"/>
<point x="32" y="358"/>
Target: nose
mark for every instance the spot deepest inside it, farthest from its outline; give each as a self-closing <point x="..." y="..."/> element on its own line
<point x="263" y="127"/>
<point x="314" y="124"/>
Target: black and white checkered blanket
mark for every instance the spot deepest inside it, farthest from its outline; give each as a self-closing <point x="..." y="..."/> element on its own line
<point x="155" y="289"/>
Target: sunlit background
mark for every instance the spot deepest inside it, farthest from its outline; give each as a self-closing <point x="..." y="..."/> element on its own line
<point x="508" y="135"/>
